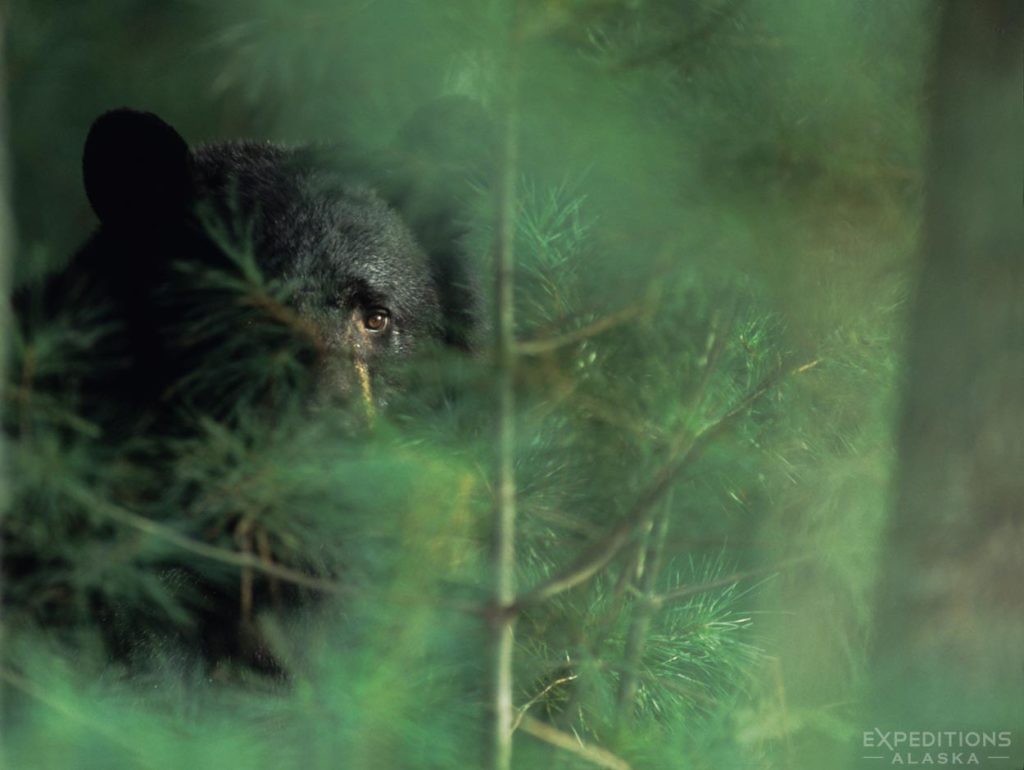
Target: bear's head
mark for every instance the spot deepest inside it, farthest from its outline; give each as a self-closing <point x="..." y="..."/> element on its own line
<point x="220" y="278"/>
<point x="361" y="282"/>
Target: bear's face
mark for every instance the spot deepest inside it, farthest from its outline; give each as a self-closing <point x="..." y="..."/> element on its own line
<point x="358" y="286"/>
<point x="353" y="270"/>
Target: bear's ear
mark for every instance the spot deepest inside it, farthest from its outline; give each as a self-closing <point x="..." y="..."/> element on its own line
<point x="137" y="169"/>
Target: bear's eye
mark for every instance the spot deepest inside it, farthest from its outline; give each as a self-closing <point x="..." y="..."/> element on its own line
<point x="376" y="320"/>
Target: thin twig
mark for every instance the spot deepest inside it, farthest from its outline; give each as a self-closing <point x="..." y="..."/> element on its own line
<point x="167" y="534"/>
<point x="685" y="592"/>
<point x="554" y="736"/>
<point x="592" y="329"/>
<point x="287" y="317"/>
<point x="643" y="612"/>
<point x="243" y="536"/>
<point x="521" y="710"/>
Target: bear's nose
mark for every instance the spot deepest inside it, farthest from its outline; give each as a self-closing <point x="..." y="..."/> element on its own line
<point x="343" y="381"/>
<point x="343" y="377"/>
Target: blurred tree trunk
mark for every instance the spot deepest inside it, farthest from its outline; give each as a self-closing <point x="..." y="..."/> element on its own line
<point x="6" y="242"/>
<point x="950" y="623"/>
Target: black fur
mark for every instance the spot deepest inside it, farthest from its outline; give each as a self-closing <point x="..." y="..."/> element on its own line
<point x="318" y="223"/>
<point x="341" y="240"/>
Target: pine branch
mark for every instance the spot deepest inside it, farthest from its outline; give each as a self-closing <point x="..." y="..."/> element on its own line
<point x="643" y="611"/>
<point x="597" y="557"/>
<point x="244" y="561"/>
<point x="302" y="327"/>
<point x="685" y="592"/>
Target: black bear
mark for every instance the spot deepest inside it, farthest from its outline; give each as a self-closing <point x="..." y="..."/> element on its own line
<point x="363" y="281"/>
<point x="207" y="260"/>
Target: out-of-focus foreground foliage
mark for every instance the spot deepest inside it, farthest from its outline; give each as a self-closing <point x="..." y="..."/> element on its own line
<point x="717" y="202"/>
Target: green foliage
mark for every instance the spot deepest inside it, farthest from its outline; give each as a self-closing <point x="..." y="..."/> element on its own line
<point x="715" y="203"/>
